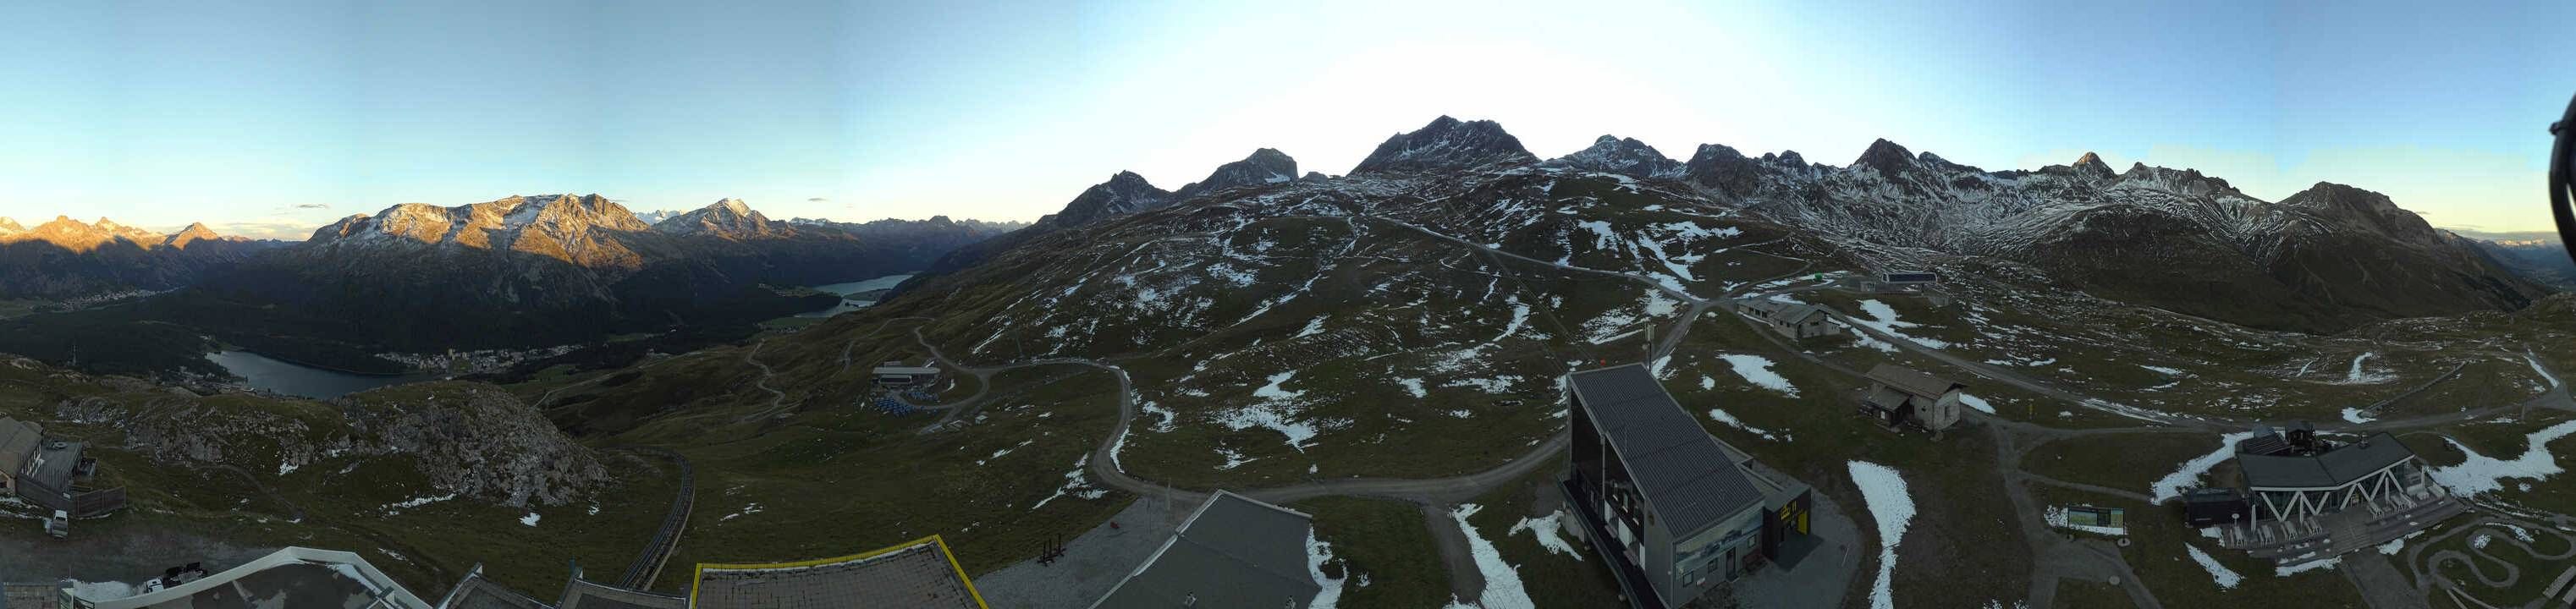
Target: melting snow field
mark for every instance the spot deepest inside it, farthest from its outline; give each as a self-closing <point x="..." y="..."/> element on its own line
<point x="2227" y="578"/>
<point x="1884" y="492"/>
<point x="1883" y="318"/>
<point x="2170" y="486"/>
<point x="2481" y="473"/>
<point x="2355" y="415"/>
<point x="1502" y="583"/>
<point x="1757" y="370"/>
<point x="1544" y="528"/>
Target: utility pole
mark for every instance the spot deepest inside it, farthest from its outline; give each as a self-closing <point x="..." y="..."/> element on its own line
<point x="1650" y="343"/>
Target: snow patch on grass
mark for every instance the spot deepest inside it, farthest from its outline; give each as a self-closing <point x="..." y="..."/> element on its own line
<point x="1729" y="419"/>
<point x="1312" y="328"/>
<point x="2307" y="566"/>
<point x="2481" y="473"/>
<point x="1544" y="529"/>
<point x="2170" y="487"/>
<point x="1757" y="370"/>
<point x="1972" y="401"/>
<point x="1318" y="553"/>
<point x="2355" y="415"/>
<point x="529" y="520"/>
<point x="2226" y="578"/>
<point x="1503" y="588"/>
<point x="1883" y="318"/>
<point x="1413" y="386"/>
<point x="2361" y="376"/>
<point x="1884" y="493"/>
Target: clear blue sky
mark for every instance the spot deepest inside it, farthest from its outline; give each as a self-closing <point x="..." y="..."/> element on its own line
<point x="276" y="117"/>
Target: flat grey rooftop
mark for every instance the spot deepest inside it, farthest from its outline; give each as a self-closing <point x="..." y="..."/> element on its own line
<point x="916" y="575"/>
<point x="53" y="464"/>
<point x="2329" y="469"/>
<point x="475" y="592"/>
<point x="1233" y="552"/>
<point x="583" y="594"/>
<point x="1683" y="473"/>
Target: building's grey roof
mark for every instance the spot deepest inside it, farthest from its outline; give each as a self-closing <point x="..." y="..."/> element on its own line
<point x="1912" y="381"/>
<point x="291" y="577"/>
<point x="1232" y="552"/>
<point x="476" y="592"/>
<point x="584" y="594"/>
<point x="29" y="596"/>
<point x="2330" y="469"/>
<point x="1786" y="313"/>
<point x="53" y="466"/>
<point x="919" y="574"/>
<point x="1683" y="473"/>
<point x="907" y="370"/>
<point x="1885" y="397"/>
<point x="18" y="442"/>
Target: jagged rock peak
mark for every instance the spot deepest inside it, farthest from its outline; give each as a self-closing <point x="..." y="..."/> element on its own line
<point x="1626" y="156"/>
<point x="1446" y="143"/>
<point x="729" y="217"/>
<point x="1886" y="157"/>
<point x="1314" y="176"/>
<point x="1264" y="167"/>
<point x="193" y="233"/>
<point x="1719" y="167"/>
<point x="10" y="226"/>
<point x="1124" y="193"/>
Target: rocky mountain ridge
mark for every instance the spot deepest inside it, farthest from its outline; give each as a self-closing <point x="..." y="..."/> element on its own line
<point x="2324" y="259"/>
<point x="67" y="259"/>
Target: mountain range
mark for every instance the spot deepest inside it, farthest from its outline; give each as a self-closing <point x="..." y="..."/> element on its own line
<point x="2325" y="259"/>
<point x="521" y="271"/>
<point x="68" y="258"/>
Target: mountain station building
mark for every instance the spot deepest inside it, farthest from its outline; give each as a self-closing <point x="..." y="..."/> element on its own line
<point x="2307" y="498"/>
<point x="1792" y="319"/>
<point x="1904" y="396"/>
<point x="1675" y="511"/>
<point x="50" y="472"/>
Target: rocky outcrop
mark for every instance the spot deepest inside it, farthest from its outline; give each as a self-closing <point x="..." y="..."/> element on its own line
<point x="469" y="439"/>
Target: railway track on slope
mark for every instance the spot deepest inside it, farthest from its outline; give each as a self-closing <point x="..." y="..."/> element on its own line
<point x="640" y="574"/>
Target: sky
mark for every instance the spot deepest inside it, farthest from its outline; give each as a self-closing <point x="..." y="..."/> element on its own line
<point x="272" y="118"/>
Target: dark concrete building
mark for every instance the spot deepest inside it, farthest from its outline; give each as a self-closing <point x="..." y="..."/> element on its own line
<point x="1674" y="511"/>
